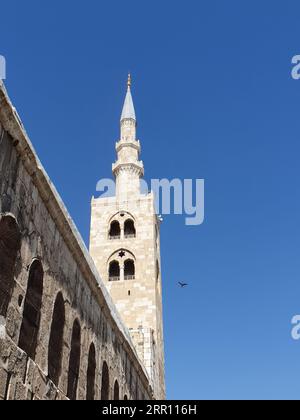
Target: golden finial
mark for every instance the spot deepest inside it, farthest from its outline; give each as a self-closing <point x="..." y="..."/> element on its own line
<point x="129" y="80"/>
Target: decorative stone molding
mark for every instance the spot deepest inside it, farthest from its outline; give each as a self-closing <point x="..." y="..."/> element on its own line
<point x="133" y="168"/>
<point x="134" y="144"/>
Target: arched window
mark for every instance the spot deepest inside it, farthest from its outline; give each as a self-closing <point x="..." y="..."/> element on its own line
<point x="91" y="373"/>
<point x="129" y="270"/>
<point x="105" y="383"/>
<point x="56" y="340"/>
<point x="129" y="229"/>
<point x="125" y="398"/>
<point x="74" y="362"/>
<point x="10" y="243"/>
<point x="116" y="391"/>
<point x="114" y="271"/>
<point x="115" y="230"/>
<point x="32" y="310"/>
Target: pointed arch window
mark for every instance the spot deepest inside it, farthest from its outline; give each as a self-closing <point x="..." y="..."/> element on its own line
<point x="74" y="362"/>
<point x="56" y="340"/>
<point x="115" y="230"/>
<point x="105" y="383"/>
<point x="32" y="310"/>
<point x="10" y="243"/>
<point x="91" y="374"/>
<point x="129" y="270"/>
<point x="129" y="229"/>
<point x="114" y="271"/>
<point x="116" y="391"/>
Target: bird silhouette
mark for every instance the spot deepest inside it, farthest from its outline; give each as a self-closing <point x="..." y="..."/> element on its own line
<point x="182" y="285"/>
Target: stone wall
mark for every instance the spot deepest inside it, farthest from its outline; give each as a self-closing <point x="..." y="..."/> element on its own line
<point x="44" y="266"/>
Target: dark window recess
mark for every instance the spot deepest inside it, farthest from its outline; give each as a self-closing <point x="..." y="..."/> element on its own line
<point x="105" y="383"/>
<point x="10" y="243"/>
<point x="116" y="391"/>
<point x="115" y="230"/>
<point x="56" y="340"/>
<point x="32" y="310"/>
<point x="129" y="229"/>
<point x="114" y="271"/>
<point x="74" y="362"/>
<point x="129" y="270"/>
<point x="91" y="374"/>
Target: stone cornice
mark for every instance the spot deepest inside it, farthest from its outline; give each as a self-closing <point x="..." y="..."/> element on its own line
<point x="134" y="144"/>
<point x="134" y="168"/>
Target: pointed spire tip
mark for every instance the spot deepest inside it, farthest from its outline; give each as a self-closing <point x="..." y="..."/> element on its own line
<point x="128" y="108"/>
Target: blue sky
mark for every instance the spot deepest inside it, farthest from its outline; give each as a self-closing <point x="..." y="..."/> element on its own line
<point x="215" y="100"/>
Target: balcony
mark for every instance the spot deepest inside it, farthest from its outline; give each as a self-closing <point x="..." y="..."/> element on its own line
<point x="114" y="278"/>
<point x="115" y="237"/>
<point x="129" y="277"/>
<point x="130" y="236"/>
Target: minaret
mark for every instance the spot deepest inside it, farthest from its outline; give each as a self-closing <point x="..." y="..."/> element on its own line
<point x="128" y="170"/>
<point x="125" y="245"/>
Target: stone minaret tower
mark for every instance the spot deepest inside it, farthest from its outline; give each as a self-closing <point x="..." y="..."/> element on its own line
<point x="125" y="245"/>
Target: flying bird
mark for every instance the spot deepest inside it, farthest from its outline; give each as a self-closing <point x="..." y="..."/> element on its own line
<point x="182" y="285"/>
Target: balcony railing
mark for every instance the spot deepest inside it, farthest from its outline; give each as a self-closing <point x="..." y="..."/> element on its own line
<point x="129" y="235"/>
<point x="114" y="278"/>
<point x="132" y="277"/>
<point x="114" y="238"/>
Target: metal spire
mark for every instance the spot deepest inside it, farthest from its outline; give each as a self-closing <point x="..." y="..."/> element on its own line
<point x="128" y="108"/>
